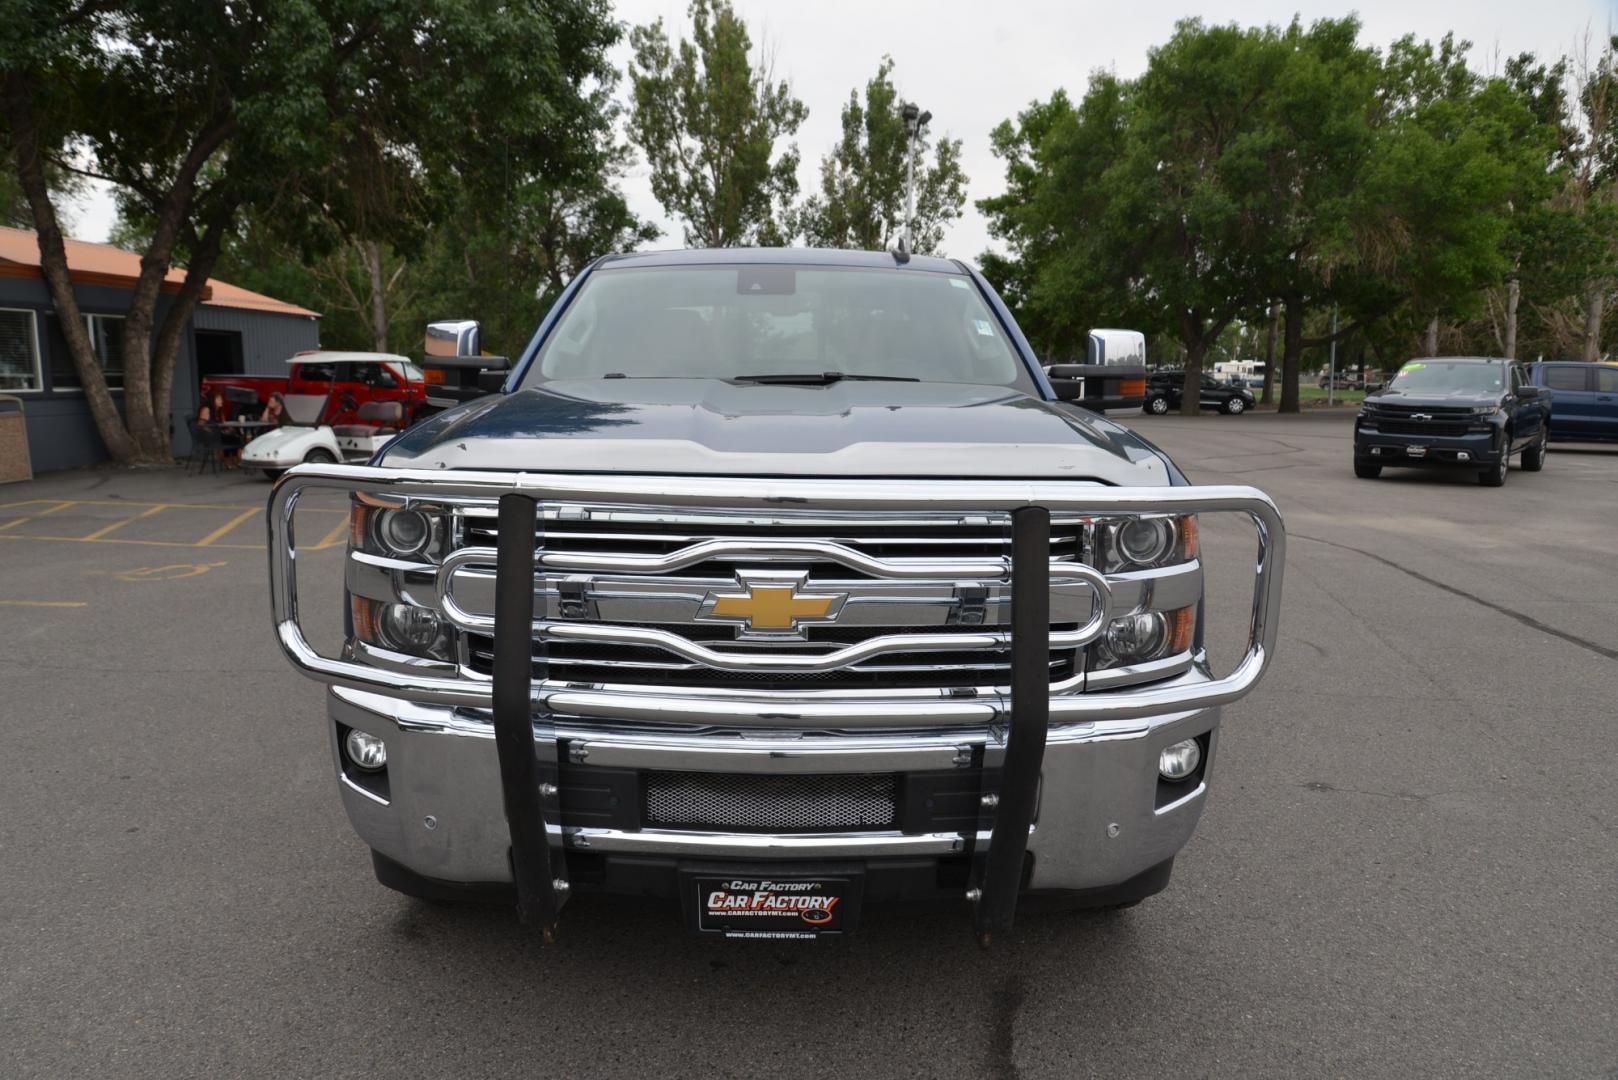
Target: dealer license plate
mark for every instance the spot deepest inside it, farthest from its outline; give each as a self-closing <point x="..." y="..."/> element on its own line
<point x="780" y="906"/>
<point x="1416" y="451"/>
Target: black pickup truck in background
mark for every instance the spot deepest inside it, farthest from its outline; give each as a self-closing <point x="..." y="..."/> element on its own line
<point x="1113" y="375"/>
<point x="1454" y="412"/>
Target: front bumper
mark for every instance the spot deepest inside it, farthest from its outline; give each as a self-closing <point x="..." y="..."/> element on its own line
<point x="1474" y="449"/>
<point x="1103" y="815"/>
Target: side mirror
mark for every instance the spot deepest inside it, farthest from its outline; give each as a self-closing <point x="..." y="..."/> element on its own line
<point x="458" y="337"/>
<point x="1117" y="348"/>
<point x="1528" y="392"/>
<point x="454" y="366"/>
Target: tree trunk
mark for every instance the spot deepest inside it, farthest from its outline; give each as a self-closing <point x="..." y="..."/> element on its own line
<point x="146" y="417"/>
<point x="371" y="256"/>
<point x="1269" y="355"/>
<point x="1594" y="302"/>
<point x="167" y="349"/>
<point x="1432" y="336"/>
<point x="1291" y="355"/>
<point x="53" y="263"/>
<point x="1513" y="298"/>
<point x="1191" y="389"/>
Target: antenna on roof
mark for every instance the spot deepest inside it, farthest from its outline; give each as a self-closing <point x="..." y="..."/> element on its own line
<point x="900" y="253"/>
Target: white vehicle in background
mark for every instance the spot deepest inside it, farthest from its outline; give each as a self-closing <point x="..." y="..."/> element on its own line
<point x="304" y="437"/>
<point x="1248" y="371"/>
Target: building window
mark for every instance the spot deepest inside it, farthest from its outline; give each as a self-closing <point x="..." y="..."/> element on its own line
<point x="106" y="341"/>
<point x="19" y="351"/>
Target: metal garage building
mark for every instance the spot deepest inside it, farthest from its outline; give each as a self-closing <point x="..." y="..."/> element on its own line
<point x="232" y="331"/>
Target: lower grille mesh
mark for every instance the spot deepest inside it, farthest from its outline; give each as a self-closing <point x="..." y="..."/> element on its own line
<point x="822" y="803"/>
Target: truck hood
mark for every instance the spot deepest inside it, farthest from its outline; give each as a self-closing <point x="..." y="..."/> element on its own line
<point x="1452" y="398"/>
<point x="712" y="427"/>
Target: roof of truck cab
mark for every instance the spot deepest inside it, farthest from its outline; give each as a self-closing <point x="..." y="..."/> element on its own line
<point x="339" y="357"/>
<point x="801" y="257"/>
<point x="1459" y="360"/>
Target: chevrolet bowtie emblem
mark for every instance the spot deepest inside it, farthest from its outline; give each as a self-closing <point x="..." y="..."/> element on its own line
<point x="771" y="602"/>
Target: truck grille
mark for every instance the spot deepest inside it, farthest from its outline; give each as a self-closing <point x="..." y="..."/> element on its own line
<point x="607" y="531"/>
<point x="763" y="803"/>
<point x="599" y="531"/>
<point x="1444" y="428"/>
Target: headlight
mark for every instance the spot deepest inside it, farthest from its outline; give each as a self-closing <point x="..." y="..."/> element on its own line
<point x="403" y="532"/>
<point x="410" y="629"/>
<point x="1137" y="637"/>
<point x="1143" y="542"/>
<point x="1143" y="636"/>
<point x="1485" y="410"/>
<point x="401" y="628"/>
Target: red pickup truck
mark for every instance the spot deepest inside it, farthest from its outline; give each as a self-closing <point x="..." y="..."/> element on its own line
<point x="360" y="377"/>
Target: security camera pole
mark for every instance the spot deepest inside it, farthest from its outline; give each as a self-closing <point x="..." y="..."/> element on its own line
<point x="915" y="120"/>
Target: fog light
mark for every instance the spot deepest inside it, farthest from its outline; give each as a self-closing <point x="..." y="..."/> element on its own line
<point x="411" y="629"/>
<point x="404" y="532"/>
<point x="1179" y="761"/>
<point x="1462" y="455"/>
<point x="367" y="751"/>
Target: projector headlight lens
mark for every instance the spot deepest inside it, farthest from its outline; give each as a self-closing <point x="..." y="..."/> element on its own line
<point x="1144" y="541"/>
<point x="404" y="532"/>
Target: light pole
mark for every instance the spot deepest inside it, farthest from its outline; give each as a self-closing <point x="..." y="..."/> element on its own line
<point x="915" y="120"/>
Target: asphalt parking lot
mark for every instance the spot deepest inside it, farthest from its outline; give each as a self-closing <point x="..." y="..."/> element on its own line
<point x="1408" y="865"/>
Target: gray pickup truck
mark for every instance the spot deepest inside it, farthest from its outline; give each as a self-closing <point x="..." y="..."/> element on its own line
<point x="772" y="583"/>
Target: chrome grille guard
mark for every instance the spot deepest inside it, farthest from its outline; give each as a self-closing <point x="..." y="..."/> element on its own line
<point x="707" y="493"/>
<point x="526" y="743"/>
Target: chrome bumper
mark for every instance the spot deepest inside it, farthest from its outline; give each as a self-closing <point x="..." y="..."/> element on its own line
<point x="1098" y="821"/>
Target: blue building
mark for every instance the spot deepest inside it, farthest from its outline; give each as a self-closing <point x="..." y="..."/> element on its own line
<point x="231" y="331"/>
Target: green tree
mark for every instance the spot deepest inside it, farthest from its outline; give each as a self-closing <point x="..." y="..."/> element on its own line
<point x="861" y="203"/>
<point x="1299" y="169"/>
<point x="707" y="120"/>
<point x="351" y="120"/>
<point x="1138" y="205"/>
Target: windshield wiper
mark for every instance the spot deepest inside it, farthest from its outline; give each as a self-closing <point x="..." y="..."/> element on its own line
<point x="821" y="378"/>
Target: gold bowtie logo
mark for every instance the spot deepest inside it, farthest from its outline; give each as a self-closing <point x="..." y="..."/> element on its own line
<point x="771" y="602"/>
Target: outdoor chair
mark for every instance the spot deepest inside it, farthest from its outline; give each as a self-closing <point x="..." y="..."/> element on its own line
<point x="206" y="445"/>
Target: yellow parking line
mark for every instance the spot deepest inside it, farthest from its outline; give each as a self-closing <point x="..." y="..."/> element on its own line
<point x="143" y="543"/>
<point x="208" y="540"/>
<point x="31" y="517"/>
<point x="99" y="533"/>
<point x="43" y="603"/>
<point x="332" y="537"/>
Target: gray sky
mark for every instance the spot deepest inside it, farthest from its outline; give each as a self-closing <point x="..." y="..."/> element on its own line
<point x="974" y="64"/>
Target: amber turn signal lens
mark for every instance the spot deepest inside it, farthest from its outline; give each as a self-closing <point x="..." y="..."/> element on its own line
<point x="1190" y="541"/>
<point x="365" y="618"/>
<point x="1132" y="387"/>
<point x="357" y="517"/>
<point x="1182" y="625"/>
<point x="435" y="377"/>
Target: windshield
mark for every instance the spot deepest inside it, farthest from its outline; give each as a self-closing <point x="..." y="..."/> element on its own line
<point x="1440" y="376"/>
<point x="762" y="321"/>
